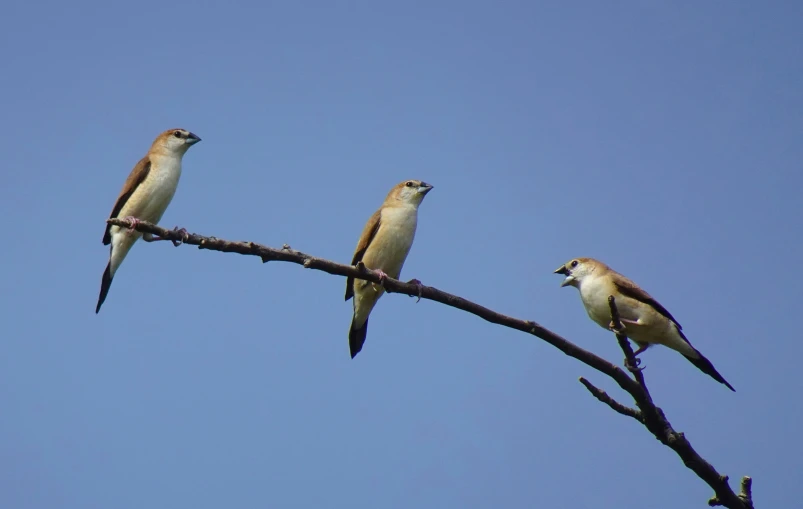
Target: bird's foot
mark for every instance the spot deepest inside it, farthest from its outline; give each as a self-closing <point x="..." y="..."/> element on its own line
<point x="634" y="368"/>
<point x="418" y="285"/>
<point x="382" y="276"/>
<point x="184" y="236"/>
<point x="616" y="330"/>
<point x="133" y="220"/>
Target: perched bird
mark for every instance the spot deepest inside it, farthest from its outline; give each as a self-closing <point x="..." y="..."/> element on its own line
<point x="383" y="247"/>
<point x="146" y="194"/>
<point x="646" y="321"/>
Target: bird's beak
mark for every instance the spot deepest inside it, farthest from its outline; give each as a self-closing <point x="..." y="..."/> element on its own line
<point x="424" y="188"/>
<point x="566" y="272"/>
<point x="192" y="139"/>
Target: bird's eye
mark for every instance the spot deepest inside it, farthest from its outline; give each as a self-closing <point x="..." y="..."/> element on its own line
<point x="177" y="134"/>
<point x="574" y="263"/>
<point x="409" y="183"/>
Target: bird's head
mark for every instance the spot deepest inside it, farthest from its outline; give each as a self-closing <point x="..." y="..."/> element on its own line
<point x="576" y="270"/>
<point x="409" y="192"/>
<point x="175" y="141"/>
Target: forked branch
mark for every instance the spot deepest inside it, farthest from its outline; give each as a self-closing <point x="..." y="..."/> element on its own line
<point x="650" y="415"/>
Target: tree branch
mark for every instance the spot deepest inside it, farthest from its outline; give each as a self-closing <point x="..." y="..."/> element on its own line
<point x="650" y="415"/>
<point x="615" y="405"/>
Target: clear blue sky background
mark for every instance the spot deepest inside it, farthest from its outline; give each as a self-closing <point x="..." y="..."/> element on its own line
<point x="663" y="138"/>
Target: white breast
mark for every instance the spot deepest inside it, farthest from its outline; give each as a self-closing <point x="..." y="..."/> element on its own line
<point x="155" y="194"/>
<point x="594" y="293"/>
<point x="393" y="241"/>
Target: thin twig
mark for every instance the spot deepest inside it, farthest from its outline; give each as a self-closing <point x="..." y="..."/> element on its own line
<point x="615" y="405"/>
<point x="652" y="416"/>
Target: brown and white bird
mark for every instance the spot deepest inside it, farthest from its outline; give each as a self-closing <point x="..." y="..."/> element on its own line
<point x="383" y="247"/>
<point x="645" y="320"/>
<point x="146" y="194"/>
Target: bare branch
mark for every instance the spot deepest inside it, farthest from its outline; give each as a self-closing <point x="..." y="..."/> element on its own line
<point x="652" y="416"/>
<point x="615" y="405"/>
<point x="745" y="495"/>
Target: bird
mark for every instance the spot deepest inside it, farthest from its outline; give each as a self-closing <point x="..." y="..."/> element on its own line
<point x="146" y="194"/>
<point x="383" y="247"/>
<point x="646" y="321"/>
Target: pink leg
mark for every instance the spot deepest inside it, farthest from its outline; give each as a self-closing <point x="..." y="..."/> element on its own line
<point x="133" y="220"/>
<point x="641" y="349"/>
<point x="382" y="276"/>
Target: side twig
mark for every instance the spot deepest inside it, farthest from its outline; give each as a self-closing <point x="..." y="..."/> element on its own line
<point x="615" y="405"/>
<point x="652" y="417"/>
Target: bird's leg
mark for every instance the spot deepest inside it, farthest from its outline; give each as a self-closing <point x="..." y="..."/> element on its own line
<point x="633" y="368"/>
<point x="382" y="277"/>
<point x="184" y="236"/>
<point x="636" y="364"/>
<point x="624" y="322"/>
<point x="133" y="220"/>
<point x="616" y="330"/>
<point x="641" y="348"/>
<point x="418" y="285"/>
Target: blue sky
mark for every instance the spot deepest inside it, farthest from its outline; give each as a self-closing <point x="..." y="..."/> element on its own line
<point x="662" y="138"/>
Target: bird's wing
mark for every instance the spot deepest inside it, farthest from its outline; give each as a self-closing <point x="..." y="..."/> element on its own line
<point x="135" y="178"/>
<point x="632" y="290"/>
<point x="368" y="234"/>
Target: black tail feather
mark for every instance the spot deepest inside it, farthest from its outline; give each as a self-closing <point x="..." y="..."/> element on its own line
<point x="706" y="367"/>
<point x="357" y="337"/>
<point x="104" y="286"/>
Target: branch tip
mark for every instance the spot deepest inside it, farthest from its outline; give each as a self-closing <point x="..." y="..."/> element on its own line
<point x="746" y="493"/>
<point x="603" y="397"/>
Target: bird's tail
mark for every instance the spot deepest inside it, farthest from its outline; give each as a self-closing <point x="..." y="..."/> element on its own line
<point x="105" y="284"/>
<point x="706" y="367"/>
<point x="357" y="337"/>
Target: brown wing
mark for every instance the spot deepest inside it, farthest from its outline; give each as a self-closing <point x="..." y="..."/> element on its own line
<point x="368" y="234"/>
<point x="135" y="178"/>
<point x="630" y="289"/>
